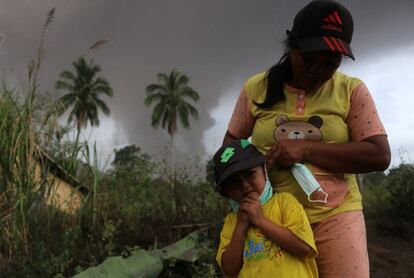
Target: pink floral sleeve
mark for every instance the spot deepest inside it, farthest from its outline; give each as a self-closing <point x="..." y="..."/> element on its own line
<point x="363" y="120"/>
<point x="242" y="122"/>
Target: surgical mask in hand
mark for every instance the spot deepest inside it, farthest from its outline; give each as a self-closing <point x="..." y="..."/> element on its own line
<point x="265" y="196"/>
<point x="309" y="184"/>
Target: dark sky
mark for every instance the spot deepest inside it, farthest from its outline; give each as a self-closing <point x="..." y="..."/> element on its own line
<point x="217" y="43"/>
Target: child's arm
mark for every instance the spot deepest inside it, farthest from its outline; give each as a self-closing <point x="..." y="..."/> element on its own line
<point x="232" y="258"/>
<point x="278" y="234"/>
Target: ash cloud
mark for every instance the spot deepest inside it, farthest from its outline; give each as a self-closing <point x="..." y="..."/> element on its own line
<point x="218" y="44"/>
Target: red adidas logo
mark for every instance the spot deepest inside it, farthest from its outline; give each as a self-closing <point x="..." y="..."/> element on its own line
<point x="336" y="44"/>
<point x="333" y="18"/>
<point x="332" y="22"/>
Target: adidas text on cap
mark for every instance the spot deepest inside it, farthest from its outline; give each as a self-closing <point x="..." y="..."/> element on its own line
<point x="323" y="25"/>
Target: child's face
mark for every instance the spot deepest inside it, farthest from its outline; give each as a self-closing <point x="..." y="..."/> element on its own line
<point x="244" y="182"/>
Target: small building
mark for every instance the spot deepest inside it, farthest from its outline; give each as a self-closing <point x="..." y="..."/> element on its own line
<point x="64" y="191"/>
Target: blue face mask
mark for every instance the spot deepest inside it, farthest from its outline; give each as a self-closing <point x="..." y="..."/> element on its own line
<point x="309" y="184"/>
<point x="265" y="196"/>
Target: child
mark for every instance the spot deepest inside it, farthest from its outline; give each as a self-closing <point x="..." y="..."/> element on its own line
<point x="267" y="235"/>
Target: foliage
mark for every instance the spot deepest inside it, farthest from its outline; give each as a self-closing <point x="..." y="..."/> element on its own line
<point x="390" y="194"/>
<point x="130" y="159"/>
<point x="204" y="267"/>
<point x="210" y="171"/>
<point x="390" y="199"/>
<point x="401" y="188"/>
<point x="84" y="88"/>
<point x="171" y="96"/>
<point x="375" y="194"/>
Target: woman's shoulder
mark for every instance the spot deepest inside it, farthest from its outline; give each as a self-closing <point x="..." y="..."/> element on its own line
<point x="255" y="85"/>
<point x="343" y="78"/>
<point x="255" y="80"/>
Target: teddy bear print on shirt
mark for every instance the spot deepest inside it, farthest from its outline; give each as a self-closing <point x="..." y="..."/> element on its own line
<point x="298" y="130"/>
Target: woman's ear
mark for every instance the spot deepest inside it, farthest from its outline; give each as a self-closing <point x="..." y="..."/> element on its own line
<point x="294" y="53"/>
<point x="295" y="56"/>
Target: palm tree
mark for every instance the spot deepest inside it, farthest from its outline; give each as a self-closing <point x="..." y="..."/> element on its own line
<point x="85" y="88"/>
<point x="171" y="95"/>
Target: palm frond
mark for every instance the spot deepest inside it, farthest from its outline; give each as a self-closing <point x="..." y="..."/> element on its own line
<point x="101" y="85"/>
<point x="151" y="98"/>
<point x="84" y="88"/>
<point x="154" y="88"/>
<point x="170" y="96"/>
<point x="181" y="79"/>
<point x="183" y="115"/>
<point x="158" y="113"/>
<point x="63" y="85"/>
<point x="68" y="100"/>
<point x="68" y="75"/>
<point x="188" y="92"/>
<point x="102" y="105"/>
<point x="193" y="111"/>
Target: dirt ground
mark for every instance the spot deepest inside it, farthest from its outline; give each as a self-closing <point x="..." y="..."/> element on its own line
<point x="390" y="255"/>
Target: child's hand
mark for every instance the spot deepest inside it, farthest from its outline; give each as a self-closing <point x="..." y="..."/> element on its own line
<point x="243" y="223"/>
<point x="251" y="206"/>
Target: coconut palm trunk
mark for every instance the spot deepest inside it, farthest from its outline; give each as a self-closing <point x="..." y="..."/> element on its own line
<point x="171" y="97"/>
<point x="172" y="129"/>
<point x="172" y="177"/>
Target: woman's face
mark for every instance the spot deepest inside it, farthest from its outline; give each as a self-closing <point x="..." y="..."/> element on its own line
<point x="310" y="70"/>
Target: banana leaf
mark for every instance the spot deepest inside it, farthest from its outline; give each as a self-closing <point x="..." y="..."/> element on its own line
<point x="145" y="264"/>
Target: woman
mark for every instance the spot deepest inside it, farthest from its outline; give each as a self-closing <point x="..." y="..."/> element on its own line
<point x="303" y="110"/>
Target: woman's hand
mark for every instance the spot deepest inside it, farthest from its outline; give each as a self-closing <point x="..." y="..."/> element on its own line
<point x="286" y="153"/>
<point x="371" y="154"/>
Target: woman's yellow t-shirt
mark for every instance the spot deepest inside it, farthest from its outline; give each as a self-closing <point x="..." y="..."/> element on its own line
<point x="320" y="116"/>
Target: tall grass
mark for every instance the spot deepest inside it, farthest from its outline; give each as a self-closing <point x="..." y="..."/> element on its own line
<point x="22" y="186"/>
<point x="36" y="239"/>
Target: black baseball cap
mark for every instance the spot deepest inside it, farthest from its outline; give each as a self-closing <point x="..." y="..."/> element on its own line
<point x="323" y="25"/>
<point x="234" y="157"/>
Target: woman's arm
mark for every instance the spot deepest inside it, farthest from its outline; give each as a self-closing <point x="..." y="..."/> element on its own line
<point x="368" y="150"/>
<point x="371" y="154"/>
<point x="229" y="137"/>
<point x="242" y="122"/>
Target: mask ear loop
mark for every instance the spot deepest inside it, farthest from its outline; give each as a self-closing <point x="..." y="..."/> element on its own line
<point x="265" y="170"/>
<point x="267" y="177"/>
<point x="325" y="199"/>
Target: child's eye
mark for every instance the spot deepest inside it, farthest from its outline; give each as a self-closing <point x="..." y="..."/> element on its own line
<point x="250" y="174"/>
